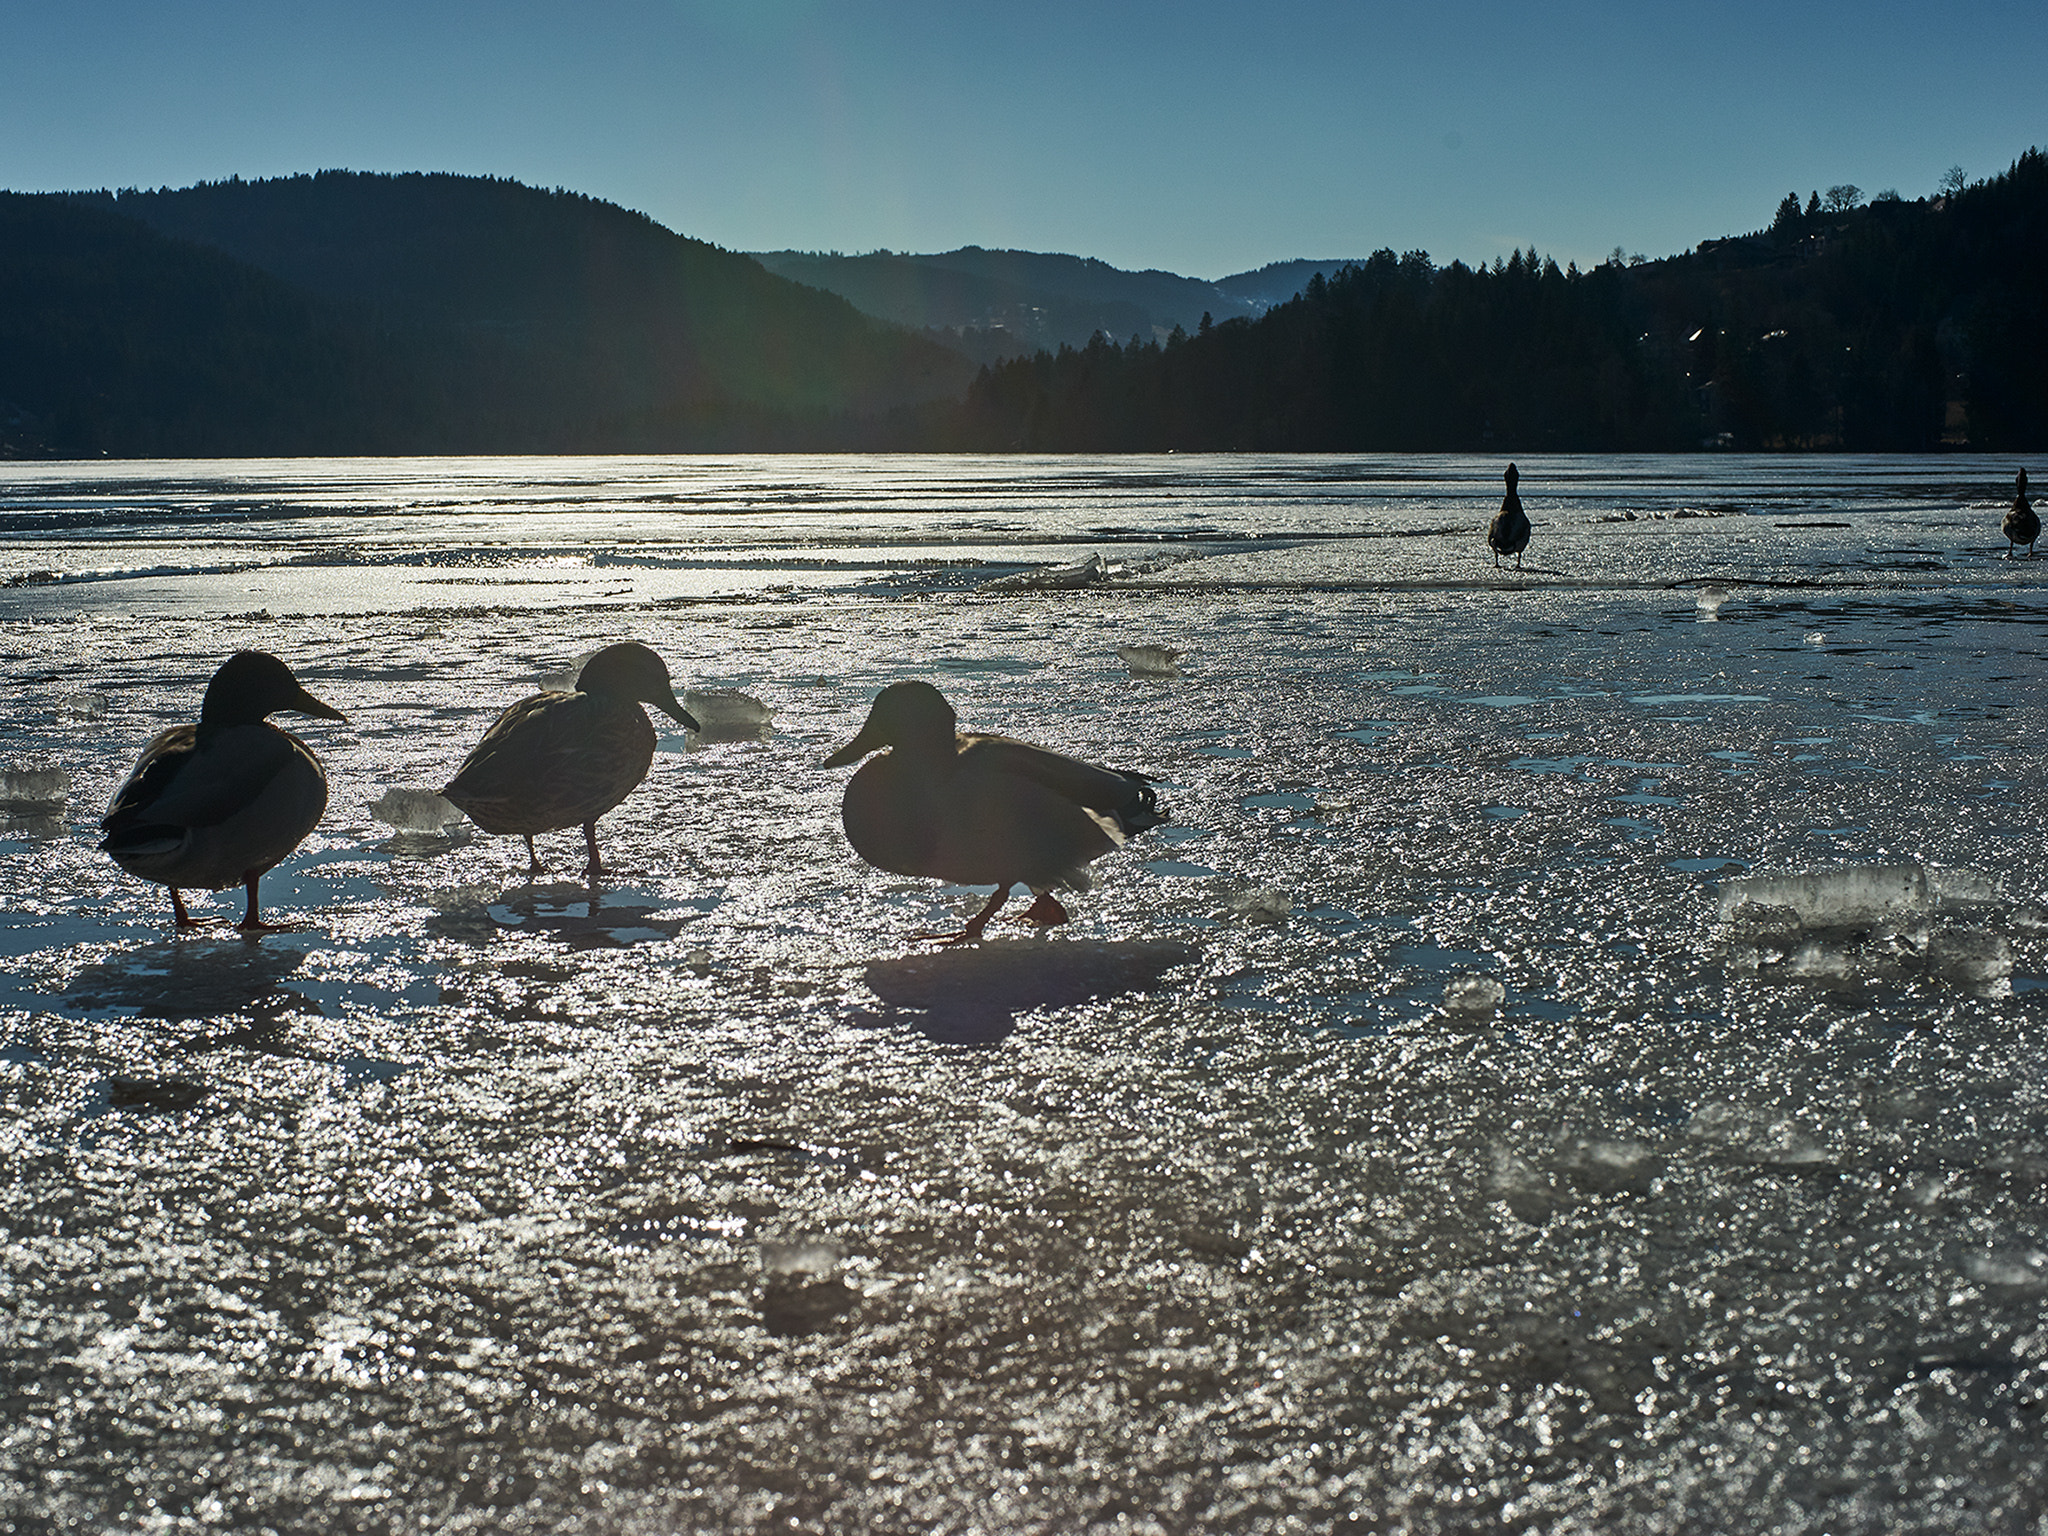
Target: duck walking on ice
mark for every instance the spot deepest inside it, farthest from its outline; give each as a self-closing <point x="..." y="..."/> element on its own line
<point x="2022" y="524"/>
<point x="221" y="802"/>
<point x="564" y="759"/>
<point x="982" y="810"/>
<point x="1508" y="533"/>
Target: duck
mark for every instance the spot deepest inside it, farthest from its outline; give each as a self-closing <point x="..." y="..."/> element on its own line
<point x="560" y="760"/>
<point x="982" y="810"/>
<point x="1508" y="533"/>
<point x="2022" y="524"/>
<point x="222" y="802"/>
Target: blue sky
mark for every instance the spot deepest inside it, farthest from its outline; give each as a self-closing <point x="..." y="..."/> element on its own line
<point x="1197" y="137"/>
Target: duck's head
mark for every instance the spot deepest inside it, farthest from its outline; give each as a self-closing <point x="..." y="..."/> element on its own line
<point x="909" y="715"/>
<point x="253" y="684"/>
<point x="2023" y="482"/>
<point x="630" y="670"/>
<point x="1512" y="476"/>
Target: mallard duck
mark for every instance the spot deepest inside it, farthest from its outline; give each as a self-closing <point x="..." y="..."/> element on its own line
<point x="1508" y="533"/>
<point x="563" y="759"/>
<point x="218" y="803"/>
<point x="981" y="810"/>
<point x="2022" y="524"/>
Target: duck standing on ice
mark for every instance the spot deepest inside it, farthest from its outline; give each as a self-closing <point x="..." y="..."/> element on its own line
<point x="1508" y="533"/>
<point x="2022" y="524"/>
<point x="221" y="802"/>
<point x="564" y="759"/>
<point x="982" y="810"/>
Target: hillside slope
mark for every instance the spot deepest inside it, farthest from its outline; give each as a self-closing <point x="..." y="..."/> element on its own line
<point x="503" y="318"/>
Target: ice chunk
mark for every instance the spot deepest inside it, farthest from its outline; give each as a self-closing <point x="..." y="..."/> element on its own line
<point x="1151" y="660"/>
<point x="726" y="714"/>
<point x="34" y="787"/>
<point x="564" y="681"/>
<point x="1872" y="920"/>
<point x="1262" y="905"/>
<point x="416" y="811"/>
<point x="1710" y="601"/>
<point x="84" y="705"/>
<point x="2008" y="1266"/>
<point x="1816" y="637"/>
<point x="1085" y="572"/>
<point x="1474" y="998"/>
<point x="1852" y="895"/>
<point x="799" y="1256"/>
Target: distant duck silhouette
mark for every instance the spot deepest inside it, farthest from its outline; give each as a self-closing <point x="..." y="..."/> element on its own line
<point x="221" y="802"/>
<point x="2022" y="524"/>
<point x="982" y="810"/>
<point x="1508" y="533"/>
<point x="564" y="759"/>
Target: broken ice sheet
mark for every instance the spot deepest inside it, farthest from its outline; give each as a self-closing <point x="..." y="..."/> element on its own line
<point x="726" y="714"/>
<point x="1151" y="660"/>
<point x="29" y="786"/>
<point x="420" y="811"/>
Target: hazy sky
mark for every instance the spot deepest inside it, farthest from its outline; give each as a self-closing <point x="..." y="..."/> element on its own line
<point x="1198" y="137"/>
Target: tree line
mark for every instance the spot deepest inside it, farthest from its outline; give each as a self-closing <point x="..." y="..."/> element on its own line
<point x="1888" y="326"/>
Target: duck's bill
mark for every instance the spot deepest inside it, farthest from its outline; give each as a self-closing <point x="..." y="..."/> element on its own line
<point x="308" y="705"/>
<point x="852" y="752"/>
<point x="677" y="713"/>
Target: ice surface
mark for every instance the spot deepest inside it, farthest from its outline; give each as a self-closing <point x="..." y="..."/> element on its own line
<point x="1151" y="660"/>
<point x="30" y="787"/>
<point x="711" y="1199"/>
<point x="416" y="810"/>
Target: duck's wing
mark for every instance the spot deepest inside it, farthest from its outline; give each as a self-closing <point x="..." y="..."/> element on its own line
<point x="153" y="774"/>
<point x="181" y="781"/>
<point x="526" y="741"/>
<point x="1121" y="793"/>
<point x="554" y="760"/>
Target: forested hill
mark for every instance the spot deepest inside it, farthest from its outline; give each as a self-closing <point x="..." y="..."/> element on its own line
<point x="456" y="313"/>
<point x="1893" y="326"/>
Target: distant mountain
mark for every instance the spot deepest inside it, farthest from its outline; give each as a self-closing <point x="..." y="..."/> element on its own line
<point x="503" y="317"/>
<point x="997" y="304"/>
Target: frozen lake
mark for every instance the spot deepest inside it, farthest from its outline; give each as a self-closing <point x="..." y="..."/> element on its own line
<point x="1572" y="1063"/>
